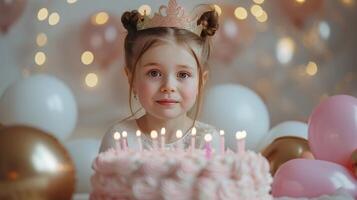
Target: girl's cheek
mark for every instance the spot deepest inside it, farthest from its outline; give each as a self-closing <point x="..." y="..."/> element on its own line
<point x="145" y="88"/>
<point x="190" y="91"/>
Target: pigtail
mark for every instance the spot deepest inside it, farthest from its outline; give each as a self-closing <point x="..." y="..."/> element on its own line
<point x="130" y="20"/>
<point x="209" y="22"/>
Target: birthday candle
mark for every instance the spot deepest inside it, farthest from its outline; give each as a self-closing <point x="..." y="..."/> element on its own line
<point x="154" y="135"/>
<point x="179" y="141"/>
<point x="162" y="133"/>
<point x="138" y="135"/>
<point x="193" y="138"/>
<point x="124" y="141"/>
<point x="208" y="147"/>
<point x="222" y="145"/>
<point x="117" y="141"/>
<point x="240" y="136"/>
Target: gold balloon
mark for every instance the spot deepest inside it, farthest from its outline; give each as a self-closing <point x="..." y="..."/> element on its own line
<point x="34" y="165"/>
<point x="284" y="149"/>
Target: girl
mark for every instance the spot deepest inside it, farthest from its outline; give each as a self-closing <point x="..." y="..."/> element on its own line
<point x="166" y="65"/>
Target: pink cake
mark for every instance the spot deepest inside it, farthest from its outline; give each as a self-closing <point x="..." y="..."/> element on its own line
<point x="177" y="174"/>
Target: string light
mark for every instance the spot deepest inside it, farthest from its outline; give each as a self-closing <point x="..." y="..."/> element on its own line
<point x="256" y="10"/>
<point x="87" y="57"/>
<point x="91" y="80"/>
<point x="40" y="58"/>
<point x="71" y="1"/>
<point x="42" y="14"/>
<point x="53" y="19"/>
<point x="348" y="2"/>
<point x="145" y="10"/>
<point x="285" y="50"/>
<point x="263" y="17"/>
<point x="258" y="1"/>
<point x="100" y="18"/>
<point x="300" y="1"/>
<point x="240" y="13"/>
<point x="311" y="68"/>
<point x="41" y="39"/>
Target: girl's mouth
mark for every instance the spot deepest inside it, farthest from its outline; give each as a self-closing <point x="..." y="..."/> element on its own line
<point x="167" y="102"/>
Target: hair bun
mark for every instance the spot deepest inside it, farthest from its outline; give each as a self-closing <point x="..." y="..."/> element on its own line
<point x="130" y="20"/>
<point x="209" y="21"/>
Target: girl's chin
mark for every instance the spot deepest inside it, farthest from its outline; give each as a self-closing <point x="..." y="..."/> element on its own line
<point x="168" y="114"/>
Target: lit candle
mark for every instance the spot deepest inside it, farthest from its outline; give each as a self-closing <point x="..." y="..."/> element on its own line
<point x="193" y="138"/>
<point x="179" y="141"/>
<point x="154" y="135"/>
<point x="162" y="133"/>
<point x="208" y="148"/>
<point x="117" y="141"/>
<point x="138" y="136"/>
<point x="240" y="136"/>
<point x="124" y="141"/>
<point x="222" y="145"/>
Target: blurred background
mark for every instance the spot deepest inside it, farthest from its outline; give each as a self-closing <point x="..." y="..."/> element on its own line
<point x="282" y="56"/>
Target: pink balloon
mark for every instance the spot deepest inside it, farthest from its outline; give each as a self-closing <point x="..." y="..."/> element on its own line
<point x="312" y="178"/>
<point x="10" y="11"/>
<point x="104" y="40"/>
<point x="333" y="129"/>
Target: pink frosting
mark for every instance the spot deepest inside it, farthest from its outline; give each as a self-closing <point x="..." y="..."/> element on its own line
<point x="170" y="174"/>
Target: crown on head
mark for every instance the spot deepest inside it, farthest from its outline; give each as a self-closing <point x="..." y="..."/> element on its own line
<point x="174" y="15"/>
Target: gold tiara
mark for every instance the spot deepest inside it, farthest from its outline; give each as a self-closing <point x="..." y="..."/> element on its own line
<point x="174" y="15"/>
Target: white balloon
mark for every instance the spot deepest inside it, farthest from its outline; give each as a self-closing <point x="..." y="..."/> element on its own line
<point x="83" y="152"/>
<point x="40" y="101"/>
<point x="288" y="128"/>
<point x="233" y="108"/>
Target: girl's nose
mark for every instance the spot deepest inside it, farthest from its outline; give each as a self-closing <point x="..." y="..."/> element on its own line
<point x="168" y="86"/>
<point x="167" y="89"/>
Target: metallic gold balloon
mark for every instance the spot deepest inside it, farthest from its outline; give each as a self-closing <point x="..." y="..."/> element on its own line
<point x="284" y="149"/>
<point x="34" y="165"/>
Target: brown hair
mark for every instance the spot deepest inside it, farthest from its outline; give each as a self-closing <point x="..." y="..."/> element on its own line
<point x="137" y="42"/>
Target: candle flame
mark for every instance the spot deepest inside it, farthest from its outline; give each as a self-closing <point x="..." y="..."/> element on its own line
<point x="124" y="134"/>
<point x="221" y="132"/>
<point x="241" y="135"/>
<point x="194" y="131"/>
<point x="138" y="133"/>
<point x="163" y="131"/>
<point x="179" y="134"/>
<point x="117" y="135"/>
<point x="153" y="134"/>
<point x="208" y="137"/>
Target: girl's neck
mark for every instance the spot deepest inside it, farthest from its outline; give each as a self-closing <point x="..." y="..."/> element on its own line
<point x="147" y="123"/>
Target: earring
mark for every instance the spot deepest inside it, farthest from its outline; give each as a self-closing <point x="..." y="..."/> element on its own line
<point x="135" y="97"/>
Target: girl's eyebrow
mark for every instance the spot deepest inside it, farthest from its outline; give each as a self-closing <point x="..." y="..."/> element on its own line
<point x="157" y="64"/>
<point x="185" y="66"/>
<point x="151" y="64"/>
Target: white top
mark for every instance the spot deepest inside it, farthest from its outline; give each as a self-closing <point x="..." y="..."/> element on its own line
<point x="131" y="127"/>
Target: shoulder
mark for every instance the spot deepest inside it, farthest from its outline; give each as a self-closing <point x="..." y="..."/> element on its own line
<point x="204" y="128"/>
<point x="123" y="126"/>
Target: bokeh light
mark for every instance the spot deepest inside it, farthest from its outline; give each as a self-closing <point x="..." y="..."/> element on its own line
<point x="91" y="80"/>
<point x="145" y="10"/>
<point x="87" y="57"/>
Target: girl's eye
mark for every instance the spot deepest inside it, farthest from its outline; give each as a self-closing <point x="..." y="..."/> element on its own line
<point x="183" y="75"/>
<point x="154" y="73"/>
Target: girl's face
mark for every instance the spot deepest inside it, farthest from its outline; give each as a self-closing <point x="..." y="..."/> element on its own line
<point x="166" y="80"/>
